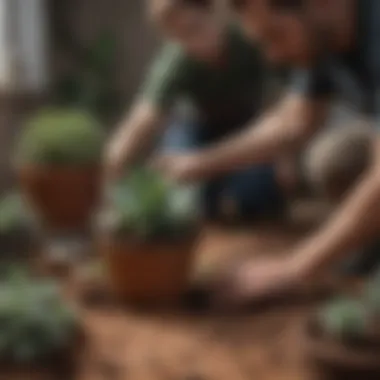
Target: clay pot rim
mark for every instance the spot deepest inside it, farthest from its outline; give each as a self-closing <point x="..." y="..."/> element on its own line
<point x="164" y="240"/>
<point x="338" y="353"/>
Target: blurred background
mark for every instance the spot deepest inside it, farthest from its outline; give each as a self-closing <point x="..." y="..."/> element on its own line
<point x="93" y="54"/>
<point x="87" y="52"/>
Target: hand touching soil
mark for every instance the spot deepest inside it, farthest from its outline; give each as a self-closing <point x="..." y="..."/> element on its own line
<point x="254" y="280"/>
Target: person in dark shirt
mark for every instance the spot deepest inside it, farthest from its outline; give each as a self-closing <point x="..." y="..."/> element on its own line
<point x="333" y="48"/>
<point x="220" y="77"/>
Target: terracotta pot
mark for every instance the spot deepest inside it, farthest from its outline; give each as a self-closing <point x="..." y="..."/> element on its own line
<point x="332" y="359"/>
<point x="153" y="272"/>
<point x="64" y="197"/>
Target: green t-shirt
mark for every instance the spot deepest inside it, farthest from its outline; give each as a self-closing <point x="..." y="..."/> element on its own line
<point x="227" y="94"/>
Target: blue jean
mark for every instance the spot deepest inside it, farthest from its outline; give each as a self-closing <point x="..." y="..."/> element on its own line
<point x="254" y="191"/>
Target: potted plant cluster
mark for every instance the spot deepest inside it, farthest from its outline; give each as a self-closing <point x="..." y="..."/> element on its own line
<point x="38" y="330"/>
<point x="58" y="164"/>
<point x="16" y="226"/>
<point x="343" y="338"/>
<point x="148" y="234"/>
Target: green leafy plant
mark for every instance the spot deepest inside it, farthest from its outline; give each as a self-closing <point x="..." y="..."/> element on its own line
<point x="34" y="321"/>
<point x="14" y="214"/>
<point x="146" y="206"/>
<point x="344" y="319"/>
<point x="372" y="294"/>
<point x="60" y="137"/>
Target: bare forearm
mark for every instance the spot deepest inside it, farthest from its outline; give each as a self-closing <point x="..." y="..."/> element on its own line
<point x="254" y="146"/>
<point x="284" y="129"/>
<point x="353" y="225"/>
<point x="136" y="133"/>
<point x="131" y="140"/>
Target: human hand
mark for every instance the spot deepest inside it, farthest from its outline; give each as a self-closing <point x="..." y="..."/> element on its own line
<point x="180" y="168"/>
<point x="250" y="280"/>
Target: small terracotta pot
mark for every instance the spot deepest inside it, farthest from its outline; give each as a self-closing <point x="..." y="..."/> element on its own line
<point x="332" y="359"/>
<point x="142" y="272"/>
<point x="64" y="197"/>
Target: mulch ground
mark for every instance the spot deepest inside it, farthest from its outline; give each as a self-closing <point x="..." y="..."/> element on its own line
<point x="261" y="344"/>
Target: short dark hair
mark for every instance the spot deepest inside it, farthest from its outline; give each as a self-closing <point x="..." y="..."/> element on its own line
<point x="278" y="4"/>
<point x="196" y="3"/>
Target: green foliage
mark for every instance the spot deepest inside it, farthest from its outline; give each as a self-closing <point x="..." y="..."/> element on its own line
<point x="60" y="137"/>
<point x="14" y="214"/>
<point x="372" y="294"/>
<point x="34" y="321"/>
<point x="147" y="206"/>
<point x="344" y="318"/>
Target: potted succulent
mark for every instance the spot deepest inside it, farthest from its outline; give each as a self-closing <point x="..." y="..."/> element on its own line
<point x="38" y="329"/>
<point x="16" y="226"/>
<point x="58" y="163"/>
<point x="148" y="234"/>
<point x="343" y="337"/>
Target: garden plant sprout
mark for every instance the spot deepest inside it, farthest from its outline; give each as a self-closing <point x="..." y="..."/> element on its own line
<point x="35" y="323"/>
<point x="344" y="319"/>
<point x="146" y="206"/>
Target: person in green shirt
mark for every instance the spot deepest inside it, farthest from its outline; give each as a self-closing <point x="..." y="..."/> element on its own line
<point x="219" y="76"/>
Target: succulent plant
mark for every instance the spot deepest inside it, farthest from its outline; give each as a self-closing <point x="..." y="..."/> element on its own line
<point x="147" y="206"/>
<point x="34" y="321"/>
<point x="60" y="137"/>
<point x="344" y="318"/>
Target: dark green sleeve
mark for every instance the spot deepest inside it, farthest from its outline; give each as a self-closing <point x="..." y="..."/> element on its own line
<point x="313" y="83"/>
<point x="165" y="79"/>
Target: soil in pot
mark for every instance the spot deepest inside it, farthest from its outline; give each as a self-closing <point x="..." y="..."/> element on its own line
<point x="63" y="197"/>
<point x="148" y="272"/>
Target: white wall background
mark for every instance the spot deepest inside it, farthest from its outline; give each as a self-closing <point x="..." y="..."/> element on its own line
<point x="23" y="46"/>
<point x="4" y="58"/>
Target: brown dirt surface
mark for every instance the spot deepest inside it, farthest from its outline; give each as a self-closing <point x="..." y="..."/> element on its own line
<point x="261" y="345"/>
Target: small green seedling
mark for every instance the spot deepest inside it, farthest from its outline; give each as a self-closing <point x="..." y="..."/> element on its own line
<point x="344" y="319"/>
<point x="60" y="137"/>
<point x="146" y="206"/>
<point x="34" y="321"/>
